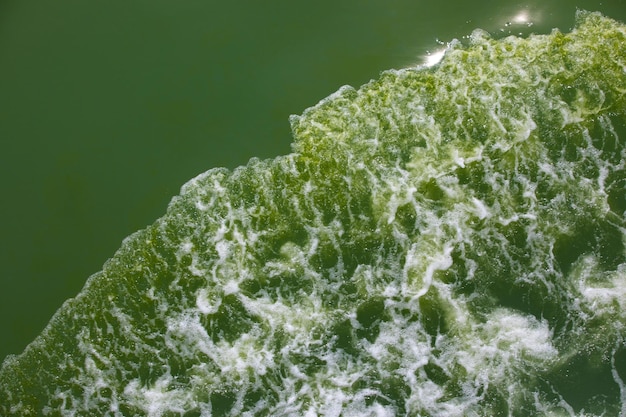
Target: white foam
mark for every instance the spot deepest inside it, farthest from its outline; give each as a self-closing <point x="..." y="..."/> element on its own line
<point x="231" y="287"/>
<point x="608" y="295"/>
<point x="481" y="210"/>
<point x="158" y="399"/>
<point x="208" y="302"/>
<point x="506" y="341"/>
<point x="420" y="266"/>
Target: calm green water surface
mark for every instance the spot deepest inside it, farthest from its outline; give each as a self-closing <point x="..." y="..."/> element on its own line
<point x="106" y="108"/>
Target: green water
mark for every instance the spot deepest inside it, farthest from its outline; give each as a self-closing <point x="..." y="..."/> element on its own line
<point x="108" y="107"/>
<point x="104" y="129"/>
<point x="442" y="241"/>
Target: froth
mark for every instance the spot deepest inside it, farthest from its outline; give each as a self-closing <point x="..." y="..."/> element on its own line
<point x="444" y="241"/>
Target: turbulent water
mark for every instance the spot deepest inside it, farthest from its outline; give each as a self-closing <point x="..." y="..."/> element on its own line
<point x="445" y="241"/>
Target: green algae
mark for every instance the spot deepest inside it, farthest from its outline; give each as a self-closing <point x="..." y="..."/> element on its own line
<point x="442" y="241"/>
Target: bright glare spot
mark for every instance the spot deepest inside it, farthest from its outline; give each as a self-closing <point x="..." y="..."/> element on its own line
<point x="521" y="18"/>
<point x="433" y="58"/>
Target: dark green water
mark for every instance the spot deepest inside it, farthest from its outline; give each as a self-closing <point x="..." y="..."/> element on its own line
<point x="106" y="110"/>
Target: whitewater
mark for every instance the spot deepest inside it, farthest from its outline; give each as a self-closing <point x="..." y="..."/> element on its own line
<point x="443" y="241"/>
